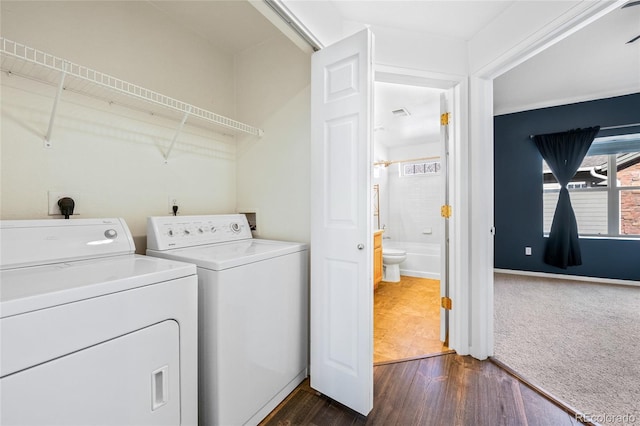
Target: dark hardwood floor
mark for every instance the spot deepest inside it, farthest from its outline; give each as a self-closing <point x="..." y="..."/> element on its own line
<point x="442" y="390"/>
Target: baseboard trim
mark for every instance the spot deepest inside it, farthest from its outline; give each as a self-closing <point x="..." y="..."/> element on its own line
<point x="579" y="416"/>
<point x="595" y="280"/>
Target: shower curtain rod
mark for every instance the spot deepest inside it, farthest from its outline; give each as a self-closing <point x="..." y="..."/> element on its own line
<point x="388" y="163"/>
<point x="622" y="126"/>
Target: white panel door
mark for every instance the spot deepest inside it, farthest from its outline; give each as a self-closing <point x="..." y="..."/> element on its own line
<point x="341" y="233"/>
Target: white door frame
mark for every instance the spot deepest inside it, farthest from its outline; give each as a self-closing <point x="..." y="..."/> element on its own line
<point x="458" y="190"/>
<point x="480" y="210"/>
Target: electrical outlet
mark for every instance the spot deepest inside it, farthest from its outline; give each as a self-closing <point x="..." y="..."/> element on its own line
<point x="54" y="196"/>
<point x="173" y="201"/>
<point x="527" y="251"/>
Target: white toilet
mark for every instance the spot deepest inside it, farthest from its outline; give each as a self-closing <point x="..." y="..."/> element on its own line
<point x="391" y="260"/>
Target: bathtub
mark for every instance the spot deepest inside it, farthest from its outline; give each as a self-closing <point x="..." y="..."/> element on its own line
<point x="423" y="259"/>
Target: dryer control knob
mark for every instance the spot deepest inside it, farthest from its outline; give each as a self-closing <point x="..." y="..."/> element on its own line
<point x="235" y="227"/>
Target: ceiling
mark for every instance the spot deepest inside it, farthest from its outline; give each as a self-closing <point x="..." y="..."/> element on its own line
<point x="234" y="25"/>
<point x="422" y="124"/>
<point x="595" y="62"/>
<point x="231" y="26"/>
<point x="601" y="64"/>
<point x="455" y="19"/>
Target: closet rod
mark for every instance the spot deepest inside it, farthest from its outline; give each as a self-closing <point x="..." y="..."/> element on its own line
<point x="621" y="126"/>
<point x="388" y="163"/>
<point x="298" y="27"/>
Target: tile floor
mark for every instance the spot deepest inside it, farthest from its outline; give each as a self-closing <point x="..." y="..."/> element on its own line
<point x="406" y="319"/>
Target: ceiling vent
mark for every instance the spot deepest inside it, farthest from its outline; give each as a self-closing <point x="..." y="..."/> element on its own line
<point x="402" y="112"/>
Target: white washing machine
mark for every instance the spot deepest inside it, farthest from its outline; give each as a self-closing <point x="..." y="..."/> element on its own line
<point x="92" y="333"/>
<point x="253" y="312"/>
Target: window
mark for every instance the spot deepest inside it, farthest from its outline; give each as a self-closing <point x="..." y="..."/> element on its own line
<point x="420" y="168"/>
<point x="605" y="192"/>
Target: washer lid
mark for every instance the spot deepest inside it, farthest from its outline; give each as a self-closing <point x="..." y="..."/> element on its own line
<point x="38" y="287"/>
<point x="229" y="255"/>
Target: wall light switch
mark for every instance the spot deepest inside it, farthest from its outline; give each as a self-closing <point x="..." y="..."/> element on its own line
<point x="527" y="251"/>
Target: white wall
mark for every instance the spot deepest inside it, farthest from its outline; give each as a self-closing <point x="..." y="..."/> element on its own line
<point x="414" y="201"/>
<point x="112" y="155"/>
<point x="409" y="206"/>
<point x="273" y="175"/>
<point x="381" y="178"/>
<point x="130" y="40"/>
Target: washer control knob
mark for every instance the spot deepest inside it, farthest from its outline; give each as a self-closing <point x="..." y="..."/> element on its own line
<point x="187" y="232"/>
<point x="213" y="229"/>
<point x="235" y="227"/>
<point x="111" y="234"/>
<point x="200" y="231"/>
<point x="170" y="233"/>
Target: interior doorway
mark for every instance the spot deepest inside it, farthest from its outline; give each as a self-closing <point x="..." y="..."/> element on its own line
<point x="409" y="183"/>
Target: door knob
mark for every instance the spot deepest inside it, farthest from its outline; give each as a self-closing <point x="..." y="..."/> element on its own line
<point x="360" y="246"/>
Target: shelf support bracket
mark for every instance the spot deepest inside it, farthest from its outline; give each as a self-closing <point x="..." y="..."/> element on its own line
<point x="47" y="138"/>
<point x="175" y="136"/>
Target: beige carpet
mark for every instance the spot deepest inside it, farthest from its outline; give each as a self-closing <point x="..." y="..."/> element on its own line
<point x="578" y="341"/>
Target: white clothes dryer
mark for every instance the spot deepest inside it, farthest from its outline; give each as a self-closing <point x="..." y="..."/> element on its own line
<point x="253" y="315"/>
<point x="92" y="333"/>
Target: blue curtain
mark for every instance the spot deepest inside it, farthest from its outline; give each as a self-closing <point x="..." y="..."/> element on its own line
<point x="564" y="153"/>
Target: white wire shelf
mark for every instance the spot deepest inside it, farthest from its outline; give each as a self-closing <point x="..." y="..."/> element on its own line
<point x="31" y="63"/>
